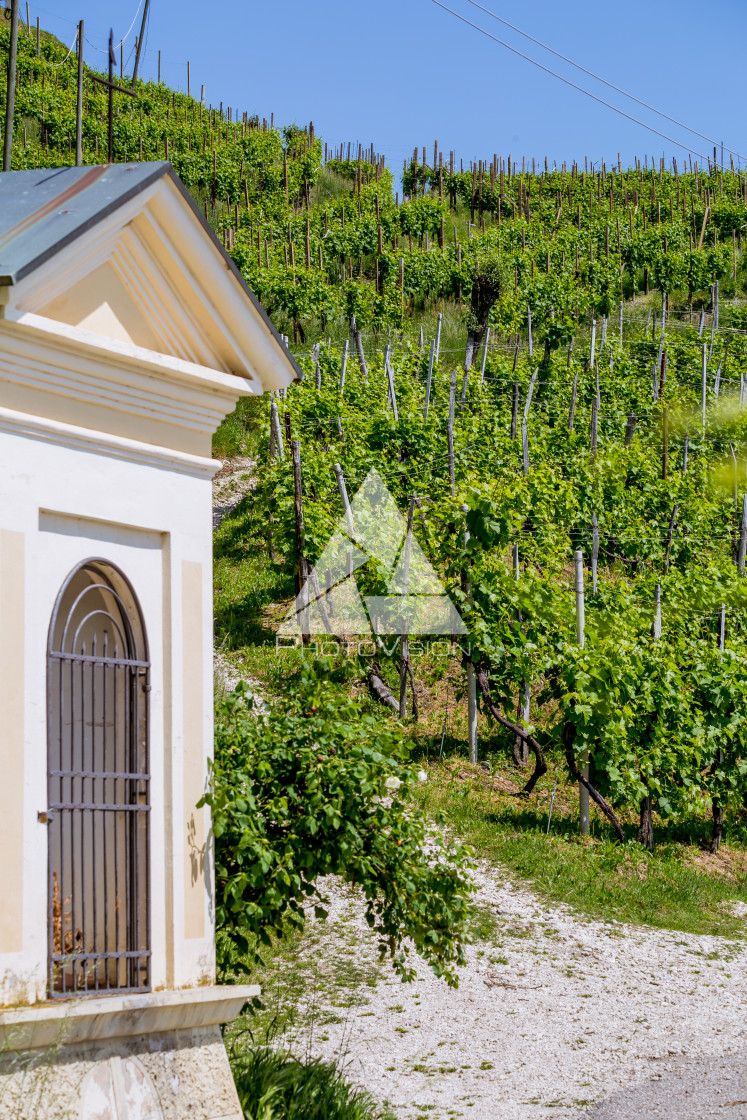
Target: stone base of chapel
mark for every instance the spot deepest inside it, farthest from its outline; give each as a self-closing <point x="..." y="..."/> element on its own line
<point x="158" y="1056"/>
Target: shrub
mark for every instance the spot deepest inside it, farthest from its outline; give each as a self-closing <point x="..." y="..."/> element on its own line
<point x="273" y="1085"/>
<point x="315" y="788"/>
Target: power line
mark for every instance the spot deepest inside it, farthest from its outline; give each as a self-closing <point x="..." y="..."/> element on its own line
<point x="129" y="29"/>
<point x="124" y="38"/>
<point x="568" y="82"/>
<point x="57" y="65"/>
<point x="604" y="82"/>
<point x="73" y="22"/>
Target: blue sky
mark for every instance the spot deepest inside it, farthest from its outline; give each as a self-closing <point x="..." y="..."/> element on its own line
<point x="404" y="72"/>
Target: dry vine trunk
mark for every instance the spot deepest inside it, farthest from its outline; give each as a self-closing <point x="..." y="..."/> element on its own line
<point x="540" y="766"/>
<point x="569" y="735"/>
<point x="718" y="826"/>
<point x="380" y="690"/>
<point x="646" y="826"/>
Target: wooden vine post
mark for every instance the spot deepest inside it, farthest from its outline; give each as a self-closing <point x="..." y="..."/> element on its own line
<point x="343" y="365"/>
<point x="670" y="536"/>
<point x="467" y="366"/>
<point x="276" y="435"/>
<point x="595" y="414"/>
<point x="572" y="408"/>
<point x="471" y="676"/>
<point x="742" y="538"/>
<point x="111" y="87"/>
<point x="10" y="96"/>
<point x="583" y="793"/>
<point x="302" y="568"/>
<point x="390" y="383"/>
<point x="524" y="420"/>
<point x="361" y="356"/>
<point x="484" y="354"/>
<point x="514" y="409"/>
<point x="79" y="102"/>
<point x="521" y="747"/>
<point x="405" y="669"/>
<point x="450" y="431"/>
<point x="428" y="380"/>
<point x="139" y="46"/>
<point x="594" y="552"/>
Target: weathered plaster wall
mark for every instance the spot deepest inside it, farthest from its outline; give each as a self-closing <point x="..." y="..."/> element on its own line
<point x="168" y="1076"/>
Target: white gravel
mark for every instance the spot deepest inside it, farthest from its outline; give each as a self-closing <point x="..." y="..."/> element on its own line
<point x="227" y="676"/>
<point x="235" y="479"/>
<point x="558" y="1013"/>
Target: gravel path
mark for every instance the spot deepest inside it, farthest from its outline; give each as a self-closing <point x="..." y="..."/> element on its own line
<point x="235" y="479"/>
<point x="695" y="1089"/>
<point x="552" y="1016"/>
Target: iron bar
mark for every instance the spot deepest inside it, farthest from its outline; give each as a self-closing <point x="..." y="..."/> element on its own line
<point x="99" y="783"/>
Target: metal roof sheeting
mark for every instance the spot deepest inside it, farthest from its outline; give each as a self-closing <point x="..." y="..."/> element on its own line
<point x="43" y="211"/>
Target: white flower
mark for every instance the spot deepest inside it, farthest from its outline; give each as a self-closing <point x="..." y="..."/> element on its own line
<point x="422" y="776"/>
<point x="392" y="783"/>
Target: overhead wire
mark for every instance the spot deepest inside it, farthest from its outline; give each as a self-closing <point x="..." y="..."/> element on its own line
<point x="568" y="82"/>
<point x="125" y="37"/>
<point x="57" y="65"/>
<point x="129" y="29"/>
<point x="599" y="78"/>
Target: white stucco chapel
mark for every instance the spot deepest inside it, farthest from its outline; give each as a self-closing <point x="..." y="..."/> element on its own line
<point x="126" y="336"/>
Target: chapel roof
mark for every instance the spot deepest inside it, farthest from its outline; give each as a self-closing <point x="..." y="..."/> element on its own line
<point x="44" y="210"/>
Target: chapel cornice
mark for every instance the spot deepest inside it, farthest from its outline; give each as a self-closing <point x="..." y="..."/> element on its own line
<point x="66" y="374"/>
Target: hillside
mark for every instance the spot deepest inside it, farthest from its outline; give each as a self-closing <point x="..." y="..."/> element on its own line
<point x="613" y="302"/>
<point x="538" y="362"/>
<point x="324" y="235"/>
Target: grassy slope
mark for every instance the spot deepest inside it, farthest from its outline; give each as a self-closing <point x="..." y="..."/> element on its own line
<point x="680" y="886"/>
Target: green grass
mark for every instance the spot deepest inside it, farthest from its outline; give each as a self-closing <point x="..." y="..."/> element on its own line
<point x="329" y="187"/>
<point x="239" y="432"/>
<point x="246" y="582"/>
<point x="597" y="877"/>
<point x="275" y="1085"/>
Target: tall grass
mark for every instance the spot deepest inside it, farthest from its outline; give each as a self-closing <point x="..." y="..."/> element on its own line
<point x="239" y="432"/>
<point x="274" y="1085"/>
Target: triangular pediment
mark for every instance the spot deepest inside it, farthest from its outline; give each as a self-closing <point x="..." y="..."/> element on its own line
<point x="101" y="302"/>
<point x="150" y="274"/>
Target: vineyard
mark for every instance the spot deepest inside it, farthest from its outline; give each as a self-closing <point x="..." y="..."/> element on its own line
<point x="540" y="362"/>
